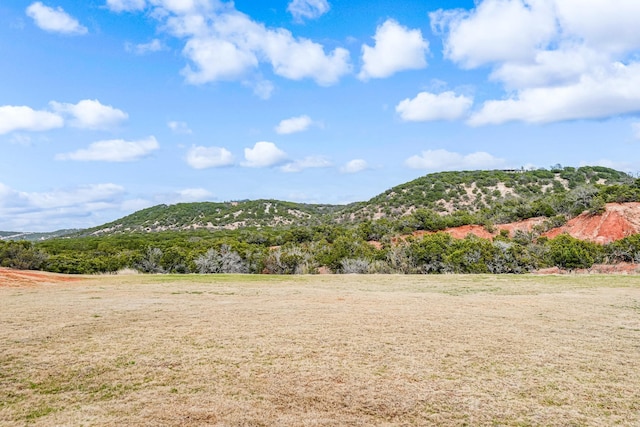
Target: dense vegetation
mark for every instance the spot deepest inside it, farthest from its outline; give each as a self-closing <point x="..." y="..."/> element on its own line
<point x="268" y="236"/>
<point x="300" y="250"/>
<point x="216" y="216"/>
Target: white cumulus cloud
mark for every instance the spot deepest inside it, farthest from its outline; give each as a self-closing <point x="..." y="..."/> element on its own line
<point x="496" y="30"/>
<point x="610" y="92"/>
<point x="308" y="9"/>
<point x="126" y="5"/>
<point x="209" y="157"/>
<point x="294" y="124"/>
<point x="429" y="107"/>
<point x="222" y="43"/>
<point x="154" y="45"/>
<point x="54" y="20"/>
<point x="263" y="154"/>
<point x="263" y="89"/>
<point x="91" y="114"/>
<point x="354" y="166"/>
<point x="397" y="48"/>
<point x="438" y="160"/>
<point x="193" y="195"/>
<point x="179" y="127"/>
<point x="216" y="59"/>
<point x="114" y="150"/>
<point x="49" y="210"/>
<point x="307" y="163"/>
<point x="23" y="118"/>
<point x="556" y="59"/>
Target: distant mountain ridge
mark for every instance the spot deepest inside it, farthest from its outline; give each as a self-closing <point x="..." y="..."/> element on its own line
<point x="218" y="216"/>
<point x="500" y="195"/>
<point x="481" y="197"/>
<point x="35" y="236"/>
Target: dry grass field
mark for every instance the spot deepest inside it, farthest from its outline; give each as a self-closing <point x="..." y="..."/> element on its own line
<point x="321" y="351"/>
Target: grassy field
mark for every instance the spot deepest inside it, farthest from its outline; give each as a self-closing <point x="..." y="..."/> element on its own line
<point x="322" y="351"/>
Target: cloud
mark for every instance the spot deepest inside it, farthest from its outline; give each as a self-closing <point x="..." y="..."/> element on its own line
<point x="354" y="166"/>
<point x="216" y="59"/>
<point x="595" y="96"/>
<point x="307" y="163"/>
<point x="20" y="139"/>
<point x="126" y="5"/>
<point x="192" y="195"/>
<point x="225" y="44"/>
<point x="22" y="118"/>
<point x="439" y="160"/>
<point x="179" y="127"/>
<point x="263" y="89"/>
<point x="263" y="154"/>
<point x="46" y="211"/>
<point x="429" y="107"/>
<point x="308" y="9"/>
<point x="294" y="124"/>
<point x="114" y="150"/>
<point x="495" y="31"/>
<point x="91" y="114"/>
<point x="154" y="45"/>
<point x="209" y="157"/>
<point x="397" y="49"/>
<point x="556" y="59"/>
<point x="54" y="20"/>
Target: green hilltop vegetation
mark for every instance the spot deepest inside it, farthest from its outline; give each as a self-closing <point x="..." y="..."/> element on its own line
<point x="217" y="216"/>
<point x="478" y="197"/>
<point x="276" y="237"/>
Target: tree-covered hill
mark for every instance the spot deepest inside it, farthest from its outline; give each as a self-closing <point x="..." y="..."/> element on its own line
<point x="432" y="202"/>
<point x="448" y="198"/>
<point x="499" y="196"/>
<point x="217" y="216"/>
<point x="394" y="232"/>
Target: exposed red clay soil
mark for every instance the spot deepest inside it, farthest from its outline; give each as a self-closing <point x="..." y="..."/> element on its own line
<point x="480" y="231"/>
<point x="20" y="278"/>
<point x="618" y="221"/>
<point x="525" y="225"/>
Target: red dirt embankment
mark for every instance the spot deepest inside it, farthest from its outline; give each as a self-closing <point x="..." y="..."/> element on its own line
<point x="618" y="221"/>
<point x="18" y="278"/>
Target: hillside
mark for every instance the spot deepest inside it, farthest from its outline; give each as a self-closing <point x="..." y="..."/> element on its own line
<point x="217" y="216"/>
<point x="566" y="218"/>
<point x="492" y="196"/>
<point x="431" y="203"/>
<point x="35" y="237"/>
<point x="474" y="191"/>
<point x="615" y="222"/>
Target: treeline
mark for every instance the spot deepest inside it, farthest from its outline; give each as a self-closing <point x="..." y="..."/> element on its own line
<point x="334" y="249"/>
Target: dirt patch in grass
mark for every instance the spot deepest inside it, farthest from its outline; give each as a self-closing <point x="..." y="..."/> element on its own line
<point x="322" y="351"/>
<point x="20" y="278"/>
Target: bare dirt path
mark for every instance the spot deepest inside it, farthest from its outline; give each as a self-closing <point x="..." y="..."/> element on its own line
<point x="321" y="351"/>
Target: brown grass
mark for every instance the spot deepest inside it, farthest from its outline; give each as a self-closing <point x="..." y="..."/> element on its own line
<point x="322" y="351"/>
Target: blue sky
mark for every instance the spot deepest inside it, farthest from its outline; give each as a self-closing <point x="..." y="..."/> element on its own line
<point x="110" y="106"/>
